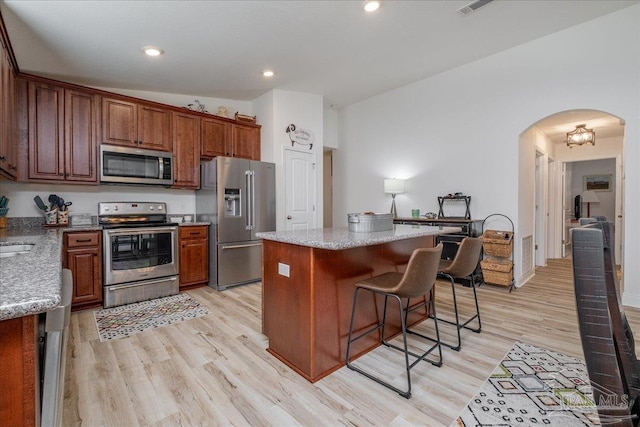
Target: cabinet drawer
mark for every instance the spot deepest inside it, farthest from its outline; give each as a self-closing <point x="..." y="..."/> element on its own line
<point x="78" y="240"/>
<point x="193" y="232"/>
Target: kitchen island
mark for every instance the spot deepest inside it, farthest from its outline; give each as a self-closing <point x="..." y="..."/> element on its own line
<point x="30" y="283"/>
<point x="307" y="291"/>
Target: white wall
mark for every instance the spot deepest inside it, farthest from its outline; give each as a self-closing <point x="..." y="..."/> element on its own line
<point x="607" y="206"/>
<point x="85" y="198"/>
<point x="306" y="112"/>
<point x="459" y="131"/>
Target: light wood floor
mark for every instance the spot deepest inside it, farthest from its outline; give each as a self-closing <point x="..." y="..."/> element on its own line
<point x="214" y="370"/>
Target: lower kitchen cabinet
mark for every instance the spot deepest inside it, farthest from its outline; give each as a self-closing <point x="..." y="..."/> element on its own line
<point x="83" y="256"/>
<point x="194" y="256"/>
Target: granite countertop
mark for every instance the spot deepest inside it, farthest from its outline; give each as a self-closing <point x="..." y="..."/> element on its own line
<point x="30" y="283"/>
<point x="342" y="238"/>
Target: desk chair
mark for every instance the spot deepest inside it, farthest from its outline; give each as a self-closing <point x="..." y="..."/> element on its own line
<point x="463" y="266"/>
<point x="417" y="281"/>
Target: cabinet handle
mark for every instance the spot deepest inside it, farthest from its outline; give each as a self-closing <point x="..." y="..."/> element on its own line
<point x="2" y="158"/>
<point x="13" y="167"/>
<point x="83" y="240"/>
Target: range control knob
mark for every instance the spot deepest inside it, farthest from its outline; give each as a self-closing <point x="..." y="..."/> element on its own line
<point x="115" y="208"/>
<point x="150" y="208"/>
<point x="159" y="207"/>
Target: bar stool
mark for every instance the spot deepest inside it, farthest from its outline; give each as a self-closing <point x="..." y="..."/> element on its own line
<point x="417" y="281"/>
<point x="463" y="266"/>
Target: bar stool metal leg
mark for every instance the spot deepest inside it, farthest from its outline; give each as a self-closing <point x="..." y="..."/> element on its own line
<point x="405" y="349"/>
<point x="457" y="323"/>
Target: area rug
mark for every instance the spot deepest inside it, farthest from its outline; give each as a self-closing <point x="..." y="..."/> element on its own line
<point x="533" y="387"/>
<point x="126" y="320"/>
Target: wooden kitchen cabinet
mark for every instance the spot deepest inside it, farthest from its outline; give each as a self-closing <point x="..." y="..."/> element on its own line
<point x="8" y="134"/>
<point x="216" y="138"/>
<point x="135" y="125"/>
<point x="194" y="255"/>
<point x="62" y="134"/>
<point x="245" y="141"/>
<point x="186" y="150"/>
<point x="83" y="256"/>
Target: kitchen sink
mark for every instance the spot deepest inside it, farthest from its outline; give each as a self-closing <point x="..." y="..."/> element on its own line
<point x="13" y="250"/>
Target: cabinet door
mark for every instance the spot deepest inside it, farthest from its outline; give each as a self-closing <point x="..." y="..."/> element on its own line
<point x="83" y="256"/>
<point x="8" y="135"/>
<point x="216" y="138"/>
<point x="246" y="142"/>
<point x="85" y="266"/>
<point x="119" y="121"/>
<point x="194" y="256"/>
<point x="186" y="150"/>
<point x="81" y="145"/>
<point x="46" y="132"/>
<point x="154" y="128"/>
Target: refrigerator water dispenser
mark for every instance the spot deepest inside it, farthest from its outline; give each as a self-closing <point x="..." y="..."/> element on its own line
<point x="232" y="202"/>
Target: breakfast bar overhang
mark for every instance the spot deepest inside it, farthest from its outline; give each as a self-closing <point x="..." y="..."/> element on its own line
<point x="307" y="291"/>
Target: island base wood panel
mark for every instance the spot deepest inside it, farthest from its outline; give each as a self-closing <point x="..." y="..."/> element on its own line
<point x="18" y="371"/>
<point x="306" y="315"/>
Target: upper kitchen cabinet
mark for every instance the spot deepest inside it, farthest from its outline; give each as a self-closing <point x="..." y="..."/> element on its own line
<point x="135" y="125"/>
<point x="186" y="150"/>
<point x="62" y="134"/>
<point x="8" y="134"/>
<point x="245" y="140"/>
<point x="216" y="138"/>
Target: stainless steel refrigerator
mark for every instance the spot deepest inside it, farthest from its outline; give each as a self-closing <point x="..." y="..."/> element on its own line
<point x="238" y="197"/>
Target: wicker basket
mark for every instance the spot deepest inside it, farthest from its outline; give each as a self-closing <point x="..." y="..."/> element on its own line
<point x="497" y="277"/>
<point x="494" y="264"/>
<point x="497" y="243"/>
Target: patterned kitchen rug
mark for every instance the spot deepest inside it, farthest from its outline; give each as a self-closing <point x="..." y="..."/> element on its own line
<point x="126" y="320"/>
<point x="533" y="387"/>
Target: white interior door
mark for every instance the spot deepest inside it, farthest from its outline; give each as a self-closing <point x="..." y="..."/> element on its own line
<point x="300" y="190"/>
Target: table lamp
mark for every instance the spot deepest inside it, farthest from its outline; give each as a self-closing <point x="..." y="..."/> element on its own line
<point x="394" y="186"/>
<point x="588" y="197"/>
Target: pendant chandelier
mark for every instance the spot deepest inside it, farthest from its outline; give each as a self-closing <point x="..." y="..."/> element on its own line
<point x="580" y="136"/>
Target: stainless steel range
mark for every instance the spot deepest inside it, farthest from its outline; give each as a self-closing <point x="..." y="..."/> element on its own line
<point x="140" y="252"/>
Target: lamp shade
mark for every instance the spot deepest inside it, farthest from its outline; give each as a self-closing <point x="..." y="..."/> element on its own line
<point x="394" y="186"/>
<point x="589" y="196"/>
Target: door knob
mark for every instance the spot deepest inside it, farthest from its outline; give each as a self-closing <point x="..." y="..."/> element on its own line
<point x="288" y="216"/>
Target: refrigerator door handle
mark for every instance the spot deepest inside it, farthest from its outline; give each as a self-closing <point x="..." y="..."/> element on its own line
<point x="241" y="246"/>
<point x="253" y="199"/>
<point x="249" y="191"/>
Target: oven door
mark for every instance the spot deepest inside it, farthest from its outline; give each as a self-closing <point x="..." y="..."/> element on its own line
<point x="132" y="254"/>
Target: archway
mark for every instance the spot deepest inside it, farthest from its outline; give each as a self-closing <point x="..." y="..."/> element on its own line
<point x="545" y="142"/>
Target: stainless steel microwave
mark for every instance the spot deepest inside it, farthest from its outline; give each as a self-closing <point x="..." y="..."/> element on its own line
<point x="128" y="165"/>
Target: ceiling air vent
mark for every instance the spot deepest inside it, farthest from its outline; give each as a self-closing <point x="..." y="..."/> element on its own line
<point x="472" y="7"/>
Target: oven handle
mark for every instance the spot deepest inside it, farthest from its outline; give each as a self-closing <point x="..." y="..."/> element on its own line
<point x="241" y="246"/>
<point x="141" y="230"/>
<point x="136" y="284"/>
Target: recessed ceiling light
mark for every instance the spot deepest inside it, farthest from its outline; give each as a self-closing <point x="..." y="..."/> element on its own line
<point x="152" y="51"/>
<point x="268" y="73"/>
<point x="371" y="5"/>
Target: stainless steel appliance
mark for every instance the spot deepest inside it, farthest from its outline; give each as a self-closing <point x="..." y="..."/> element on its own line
<point x="238" y="197"/>
<point x="140" y="250"/>
<point x="54" y="333"/>
<point x="128" y="165"/>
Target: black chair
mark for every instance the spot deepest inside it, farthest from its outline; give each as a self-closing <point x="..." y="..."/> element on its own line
<point x="417" y="281"/>
<point x="463" y="266"/>
<point x="607" y="339"/>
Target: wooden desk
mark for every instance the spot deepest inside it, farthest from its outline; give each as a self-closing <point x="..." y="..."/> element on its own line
<point x="307" y="291"/>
